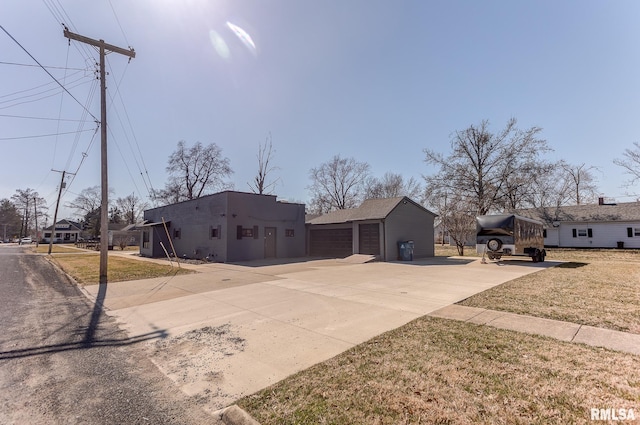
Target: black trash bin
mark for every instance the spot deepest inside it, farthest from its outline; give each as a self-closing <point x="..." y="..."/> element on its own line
<point x="405" y="250"/>
<point x="620" y="245"/>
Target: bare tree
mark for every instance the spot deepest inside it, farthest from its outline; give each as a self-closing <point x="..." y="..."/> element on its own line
<point x="582" y="180"/>
<point x="31" y="206"/>
<point x="87" y="205"/>
<point x="550" y="188"/>
<point x="482" y="164"/>
<point x="392" y="185"/>
<point x="265" y="168"/>
<point x="194" y="172"/>
<point x="131" y="207"/>
<point x="88" y="201"/>
<point x="456" y="216"/>
<point x="631" y="163"/>
<point x="337" y="184"/>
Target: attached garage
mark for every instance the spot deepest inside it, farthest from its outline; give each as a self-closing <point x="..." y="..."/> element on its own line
<point x="374" y="228"/>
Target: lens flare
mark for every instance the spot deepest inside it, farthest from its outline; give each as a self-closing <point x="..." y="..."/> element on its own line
<point x="219" y="44"/>
<point x="244" y="37"/>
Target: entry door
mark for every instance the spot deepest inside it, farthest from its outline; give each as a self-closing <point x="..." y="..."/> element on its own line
<point x="370" y="239"/>
<point x="269" y="242"/>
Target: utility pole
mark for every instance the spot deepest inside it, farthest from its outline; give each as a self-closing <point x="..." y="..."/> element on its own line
<point x="104" y="204"/>
<point x="35" y="216"/>
<point x="55" y="213"/>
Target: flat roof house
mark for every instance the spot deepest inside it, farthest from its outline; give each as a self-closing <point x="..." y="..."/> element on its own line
<point x="374" y="228"/>
<point x="224" y="227"/>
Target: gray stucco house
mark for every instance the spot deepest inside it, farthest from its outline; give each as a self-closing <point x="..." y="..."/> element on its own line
<point x="374" y="228"/>
<point x="602" y="225"/>
<point x="224" y="227"/>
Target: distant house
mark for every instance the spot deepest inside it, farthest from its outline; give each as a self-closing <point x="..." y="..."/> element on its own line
<point x="66" y="231"/>
<point x="374" y="228"/>
<point x="226" y="226"/>
<point x="602" y="225"/>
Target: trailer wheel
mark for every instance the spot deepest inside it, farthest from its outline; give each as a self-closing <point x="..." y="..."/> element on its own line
<point x="537" y="256"/>
<point x="494" y="244"/>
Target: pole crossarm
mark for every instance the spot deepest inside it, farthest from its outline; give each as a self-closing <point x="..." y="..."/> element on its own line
<point x="99" y="43"/>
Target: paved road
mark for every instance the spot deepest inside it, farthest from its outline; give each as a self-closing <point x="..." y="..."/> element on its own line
<point x="62" y="362"/>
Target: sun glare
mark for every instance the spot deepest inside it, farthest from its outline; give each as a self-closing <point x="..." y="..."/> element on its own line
<point x="244" y="37"/>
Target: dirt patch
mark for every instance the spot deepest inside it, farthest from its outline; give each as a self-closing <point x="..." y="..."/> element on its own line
<point x="193" y="360"/>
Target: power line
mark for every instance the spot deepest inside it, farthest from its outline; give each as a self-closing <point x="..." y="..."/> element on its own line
<point x="47" y="67"/>
<point x="45" y="70"/>
<point x="40" y="118"/>
<point x="41" y="135"/>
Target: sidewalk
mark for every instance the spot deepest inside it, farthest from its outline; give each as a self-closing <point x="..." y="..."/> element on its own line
<point x="564" y="331"/>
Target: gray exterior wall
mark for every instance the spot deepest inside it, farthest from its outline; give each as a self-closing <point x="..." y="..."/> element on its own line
<point x="207" y="227"/>
<point x="409" y="222"/>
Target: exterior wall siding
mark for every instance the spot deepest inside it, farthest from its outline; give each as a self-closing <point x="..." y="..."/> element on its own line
<point x="207" y="227"/>
<point x="604" y="235"/>
<point x="409" y="222"/>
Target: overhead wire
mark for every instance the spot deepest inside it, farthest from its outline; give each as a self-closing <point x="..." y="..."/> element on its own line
<point x="119" y="95"/>
<point x="41" y="94"/>
<point x="55" y="147"/>
<point x="40" y="135"/>
<point x="39" y="118"/>
<point x="45" y="66"/>
<point x="45" y="70"/>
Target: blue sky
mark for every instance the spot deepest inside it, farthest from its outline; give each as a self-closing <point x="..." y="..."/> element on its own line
<point x="376" y="80"/>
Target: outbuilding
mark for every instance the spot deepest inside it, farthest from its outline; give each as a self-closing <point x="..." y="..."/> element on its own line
<point x="376" y="227"/>
<point x="226" y="226"/>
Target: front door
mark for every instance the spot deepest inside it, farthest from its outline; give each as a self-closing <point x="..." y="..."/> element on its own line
<point x="269" y="242"/>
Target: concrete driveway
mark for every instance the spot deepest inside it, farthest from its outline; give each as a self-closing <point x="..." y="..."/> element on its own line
<point x="235" y="329"/>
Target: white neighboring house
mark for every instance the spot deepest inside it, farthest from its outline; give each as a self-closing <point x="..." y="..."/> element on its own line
<point x="66" y="231"/>
<point x="603" y="225"/>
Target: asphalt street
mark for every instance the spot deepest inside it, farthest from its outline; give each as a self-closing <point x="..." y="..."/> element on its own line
<point x="64" y="362"/>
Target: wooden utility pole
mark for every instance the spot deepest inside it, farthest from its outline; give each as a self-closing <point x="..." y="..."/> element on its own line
<point x="35" y="212"/>
<point x="55" y="213"/>
<point x="104" y="204"/>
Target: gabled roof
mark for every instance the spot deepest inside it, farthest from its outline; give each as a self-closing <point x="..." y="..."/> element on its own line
<point x="370" y="209"/>
<point x="72" y="225"/>
<point x="624" y="211"/>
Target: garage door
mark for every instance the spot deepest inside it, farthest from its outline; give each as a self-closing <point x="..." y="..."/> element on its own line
<point x="369" y="239"/>
<point x="335" y="243"/>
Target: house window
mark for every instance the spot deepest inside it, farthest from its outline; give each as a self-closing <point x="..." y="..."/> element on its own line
<point x="633" y="231"/>
<point x="215" y="232"/>
<point x="582" y="233"/>
<point x="177" y="233"/>
<point x="145" y="239"/>
<point x="247" y="232"/>
<point x="544" y="233"/>
<point x="289" y="233"/>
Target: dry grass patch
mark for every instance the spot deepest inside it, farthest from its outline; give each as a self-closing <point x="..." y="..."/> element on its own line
<point x="594" y="287"/>
<point x="55" y="249"/>
<point x="85" y="268"/>
<point x="439" y="371"/>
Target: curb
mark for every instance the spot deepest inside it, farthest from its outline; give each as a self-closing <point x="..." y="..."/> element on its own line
<point x="234" y="415"/>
